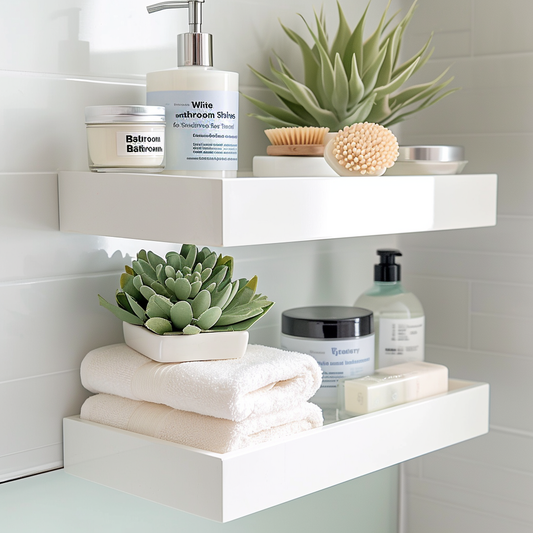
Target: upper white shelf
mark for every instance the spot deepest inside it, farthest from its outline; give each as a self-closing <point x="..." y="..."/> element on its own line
<point x="224" y="487"/>
<point x="246" y="210"/>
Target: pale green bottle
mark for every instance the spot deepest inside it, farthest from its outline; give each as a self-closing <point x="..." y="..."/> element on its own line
<point x="399" y="320"/>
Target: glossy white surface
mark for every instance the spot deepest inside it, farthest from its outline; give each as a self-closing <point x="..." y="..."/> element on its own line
<point x="232" y="485"/>
<point x="181" y="348"/>
<point x="333" y="208"/>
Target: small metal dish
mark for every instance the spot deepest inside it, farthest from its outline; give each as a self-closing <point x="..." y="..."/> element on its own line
<point x="428" y="160"/>
<point x="441" y="154"/>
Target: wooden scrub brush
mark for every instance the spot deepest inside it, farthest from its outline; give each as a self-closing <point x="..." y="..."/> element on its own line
<point x="299" y="141"/>
<point x="362" y="149"/>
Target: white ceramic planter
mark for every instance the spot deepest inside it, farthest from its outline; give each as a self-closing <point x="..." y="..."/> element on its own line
<point x="182" y="348"/>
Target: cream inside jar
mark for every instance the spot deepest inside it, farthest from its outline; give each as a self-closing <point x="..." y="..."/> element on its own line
<point x="125" y="138"/>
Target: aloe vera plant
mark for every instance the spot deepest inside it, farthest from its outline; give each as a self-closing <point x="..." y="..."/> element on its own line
<point x="186" y="293"/>
<point x="353" y="80"/>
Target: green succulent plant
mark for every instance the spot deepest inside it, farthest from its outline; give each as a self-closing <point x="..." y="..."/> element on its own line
<point x="187" y="293"/>
<point x="353" y="80"/>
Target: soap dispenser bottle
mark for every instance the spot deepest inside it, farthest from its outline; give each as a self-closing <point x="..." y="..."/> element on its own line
<point x="202" y="103"/>
<point x="399" y="320"/>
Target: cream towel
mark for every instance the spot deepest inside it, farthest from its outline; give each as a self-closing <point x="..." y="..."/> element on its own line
<point x="199" y="431"/>
<point x="263" y="381"/>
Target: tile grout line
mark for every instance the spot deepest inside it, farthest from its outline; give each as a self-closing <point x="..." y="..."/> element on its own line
<point x="469" y="318"/>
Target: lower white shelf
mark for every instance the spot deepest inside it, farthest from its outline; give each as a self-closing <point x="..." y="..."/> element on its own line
<point x="224" y="487"/>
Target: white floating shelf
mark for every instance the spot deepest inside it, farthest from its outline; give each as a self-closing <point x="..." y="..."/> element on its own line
<point x="224" y="487"/>
<point x="247" y="211"/>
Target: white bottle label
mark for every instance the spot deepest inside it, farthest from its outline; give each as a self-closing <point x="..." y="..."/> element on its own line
<point x="202" y="128"/>
<point x="338" y="358"/>
<point x="140" y="144"/>
<point x="401" y="340"/>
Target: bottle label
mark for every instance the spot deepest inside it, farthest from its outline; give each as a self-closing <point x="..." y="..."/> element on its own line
<point x="338" y="358"/>
<point x="401" y="340"/>
<point x="140" y="144"/>
<point x="202" y="128"/>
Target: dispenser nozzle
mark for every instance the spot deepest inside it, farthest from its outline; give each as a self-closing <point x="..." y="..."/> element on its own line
<point x="195" y="11"/>
<point x="194" y="48"/>
<point x="388" y="269"/>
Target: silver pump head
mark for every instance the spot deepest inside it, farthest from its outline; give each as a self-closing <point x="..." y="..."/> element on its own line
<point x="194" y="48"/>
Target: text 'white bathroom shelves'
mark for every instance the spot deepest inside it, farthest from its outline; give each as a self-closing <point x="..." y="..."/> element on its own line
<point x="224" y="487"/>
<point x="247" y="211"/>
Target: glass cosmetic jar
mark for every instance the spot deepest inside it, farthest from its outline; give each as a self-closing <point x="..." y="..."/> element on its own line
<point x="341" y="339"/>
<point x="125" y="138"/>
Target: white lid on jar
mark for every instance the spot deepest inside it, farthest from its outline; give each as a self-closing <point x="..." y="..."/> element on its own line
<point x="110" y="114"/>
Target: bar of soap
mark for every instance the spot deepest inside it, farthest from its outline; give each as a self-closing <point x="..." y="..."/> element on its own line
<point x="392" y="385"/>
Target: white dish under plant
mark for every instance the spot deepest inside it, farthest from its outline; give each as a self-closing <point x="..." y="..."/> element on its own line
<point x="186" y="296"/>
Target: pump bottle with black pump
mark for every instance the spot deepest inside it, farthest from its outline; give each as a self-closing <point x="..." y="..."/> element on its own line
<point x="399" y="320"/>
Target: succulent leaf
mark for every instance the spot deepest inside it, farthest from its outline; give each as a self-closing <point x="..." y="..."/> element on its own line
<point x="147" y="268"/>
<point x="159" y="288"/>
<point x="155" y="260"/>
<point x="201" y="303"/>
<point x="127" y="285"/>
<point x="182" y="289"/>
<point x="195" y="288"/>
<point x="209" y="318"/>
<point x="221" y="296"/>
<point x="170" y="284"/>
<point x="170" y="271"/>
<point x="136" y="308"/>
<point x="191" y="257"/>
<point x="211" y="287"/>
<point x="191" y="330"/>
<point x="234" y="290"/>
<point x="120" y="313"/>
<point x="206" y="272"/>
<point x="153" y="309"/>
<point x="158" y="325"/>
<point x="141" y="254"/>
<point x="174" y="259"/>
<point x="160" y="273"/>
<point x="181" y="314"/>
<point x="147" y="292"/>
<point x="210" y="260"/>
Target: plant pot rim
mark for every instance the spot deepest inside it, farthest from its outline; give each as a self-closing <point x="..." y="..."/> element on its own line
<point x="205" y="346"/>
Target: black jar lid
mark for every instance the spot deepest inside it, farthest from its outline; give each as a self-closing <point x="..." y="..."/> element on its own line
<point x="327" y="322"/>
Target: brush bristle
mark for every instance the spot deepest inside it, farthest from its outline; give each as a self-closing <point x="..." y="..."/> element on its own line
<point x="292" y="136"/>
<point x="365" y="148"/>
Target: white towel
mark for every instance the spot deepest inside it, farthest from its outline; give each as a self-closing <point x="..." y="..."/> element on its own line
<point x="263" y="381"/>
<point x="199" y="431"/>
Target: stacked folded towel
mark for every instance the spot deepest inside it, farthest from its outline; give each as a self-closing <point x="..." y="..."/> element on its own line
<point x="219" y="406"/>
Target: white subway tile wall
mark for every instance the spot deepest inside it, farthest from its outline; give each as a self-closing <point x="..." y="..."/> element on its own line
<point x="476" y="285"/>
<point x="55" y="59"/>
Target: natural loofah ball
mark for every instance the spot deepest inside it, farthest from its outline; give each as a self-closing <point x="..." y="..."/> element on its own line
<point x="364" y="148"/>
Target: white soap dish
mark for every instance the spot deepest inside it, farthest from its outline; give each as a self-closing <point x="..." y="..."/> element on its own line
<point x="291" y="166"/>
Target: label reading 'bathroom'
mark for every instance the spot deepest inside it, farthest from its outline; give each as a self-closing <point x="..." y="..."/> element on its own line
<point x="137" y="143"/>
<point x="202" y="128"/>
<point x="338" y="359"/>
<point x="401" y="340"/>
